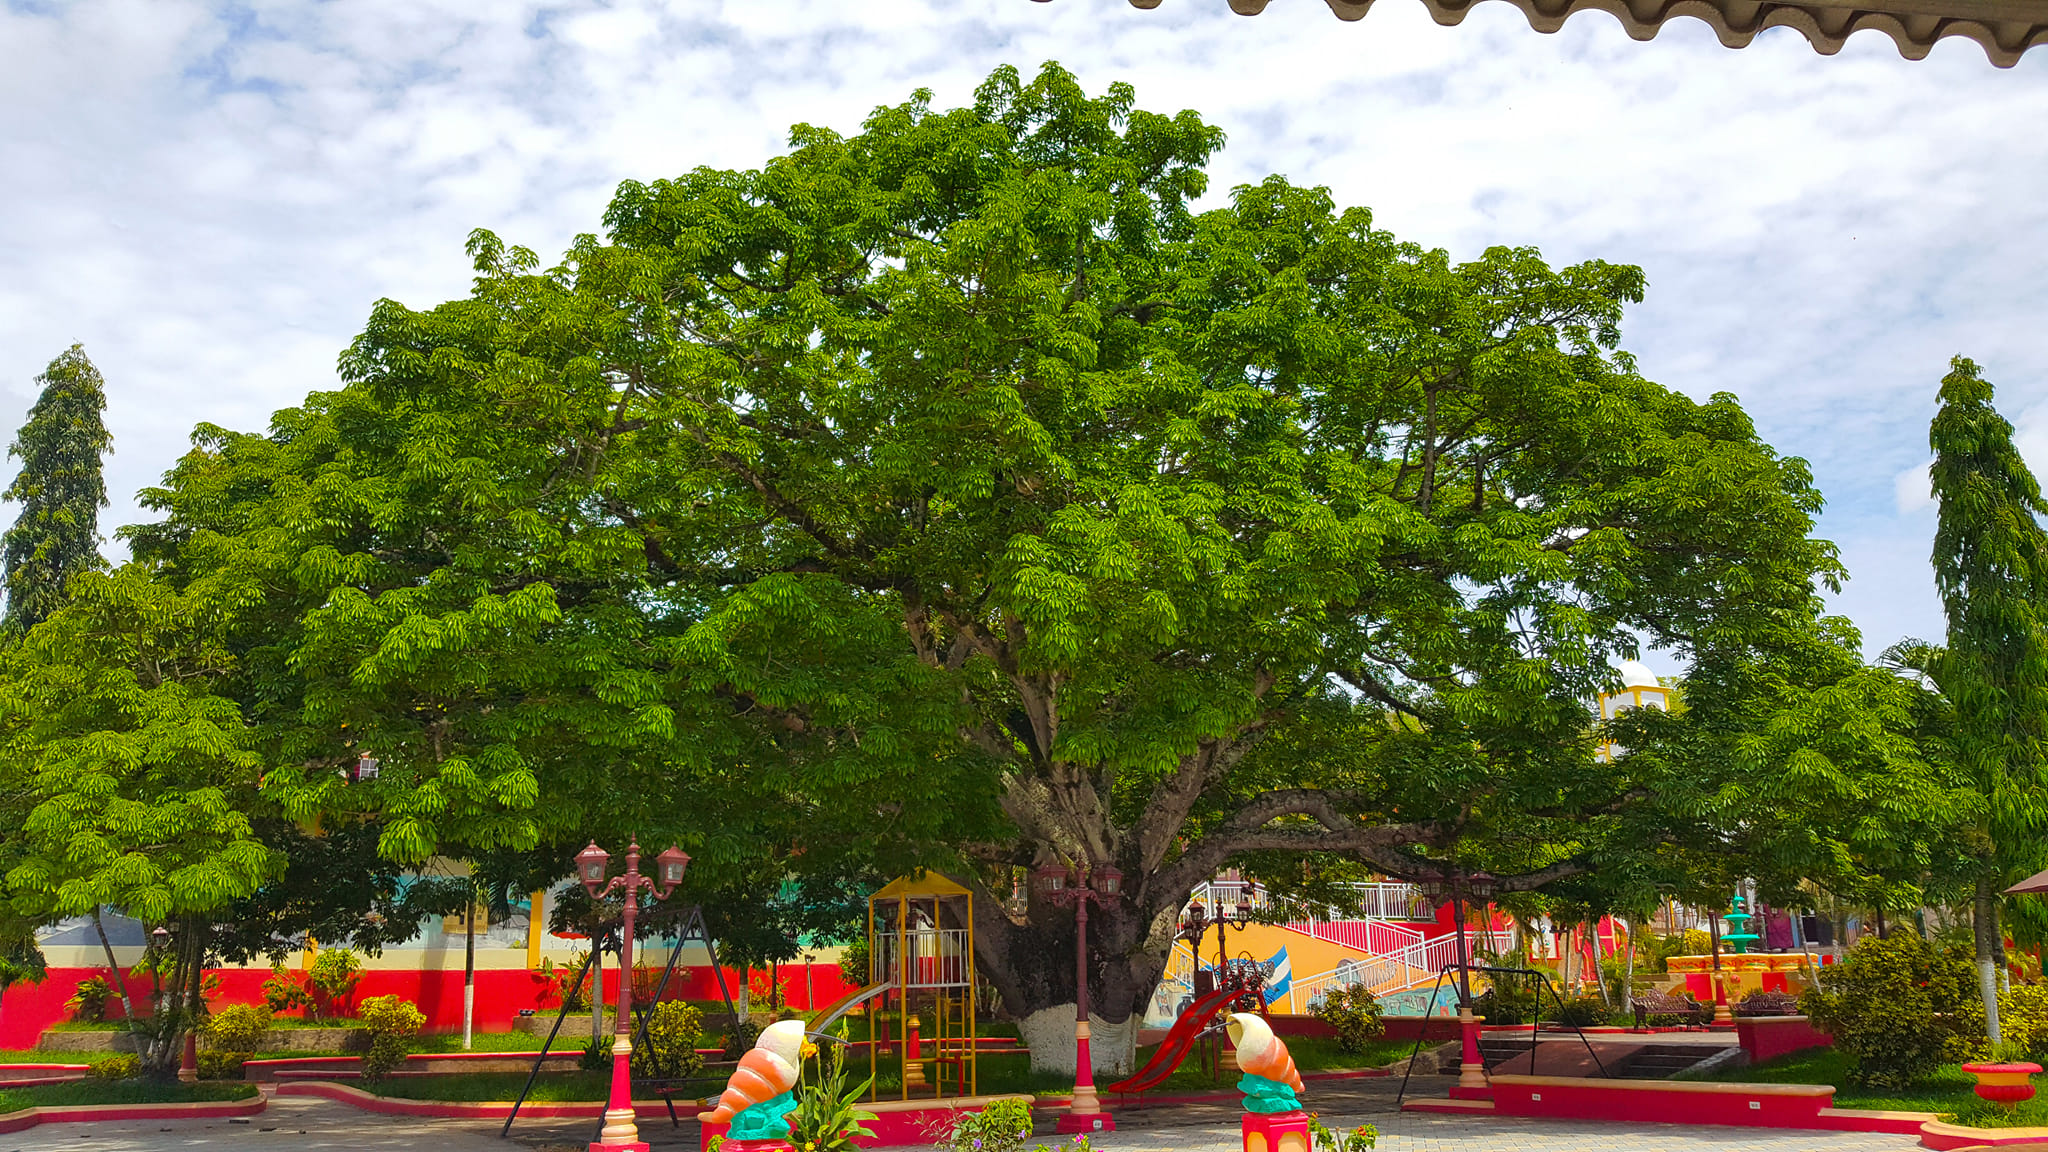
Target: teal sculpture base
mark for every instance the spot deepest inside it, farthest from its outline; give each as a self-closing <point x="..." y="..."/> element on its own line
<point x="1266" y="1096"/>
<point x="768" y="1120"/>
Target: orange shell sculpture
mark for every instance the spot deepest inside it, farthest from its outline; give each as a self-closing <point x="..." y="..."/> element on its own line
<point x="764" y="1072"/>
<point x="1261" y="1053"/>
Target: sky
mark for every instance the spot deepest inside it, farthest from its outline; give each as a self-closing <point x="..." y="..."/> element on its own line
<point x="211" y="196"/>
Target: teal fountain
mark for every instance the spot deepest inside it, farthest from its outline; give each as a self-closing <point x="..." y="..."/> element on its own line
<point x="1738" y="935"/>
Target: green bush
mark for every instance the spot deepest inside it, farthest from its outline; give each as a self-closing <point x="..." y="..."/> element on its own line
<point x="1355" y="1013"/>
<point x="238" y="1028"/>
<point x="333" y="976"/>
<point x="285" y="991"/>
<point x="2023" y="1019"/>
<point x="1578" y="1012"/>
<point x="120" y="1066"/>
<point x="1507" y="1002"/>
<point x="392" y="1022"/>
<point x="597" y="1054"/>
<point x="853" y="963"/>
<point x="1898" y="1009"/>
<point x="1002" y="1126"/>
<point x="739" y="1038"/>
<point x="221" y="1065"/>
<point x="669" y="1049"/>
<point x="88" y="1003"/>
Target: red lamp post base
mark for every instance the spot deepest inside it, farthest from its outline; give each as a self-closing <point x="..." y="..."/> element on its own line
<point x="1071" y="1123"/>
<point x="760" y="1145"/>
<point x="1275" y="1132"/>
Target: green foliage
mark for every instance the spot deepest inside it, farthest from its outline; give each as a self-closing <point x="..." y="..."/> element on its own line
<point x="739" y="1037"/>
<point x="854" y="962"/>
<point x="1898" y="1008"/>
<point x="1001" y="1126"/>
<point x="120" y="1066"/>
<point x="668" y="1051"/>
<point x="333" y="975"/>
<point x="828" y="1115"/>
<point x="2023" y="1021"/>
<point x="1578" y="1012"/>
<point x="392" y="1021"/>
<point x="1356" y="1140"/>
<point x="239" y="1027"/>
<point x="60" y="490"/>
<point x="88" y="1002"/>
<point x="219" y="1064"/>
<point x="1507" y="1001"/>
<point x="597" y="1055"/>
<point x="141" y="776"/>
<point x="286" y="990"/>
<point x="1355" y="1013"/>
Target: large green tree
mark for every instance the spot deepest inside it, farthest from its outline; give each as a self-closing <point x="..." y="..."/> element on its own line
<point x="955" y="493"/>
<point x="137" y="776"/>
<point x="1991" y="568"/>
<point x="60" y="490"/>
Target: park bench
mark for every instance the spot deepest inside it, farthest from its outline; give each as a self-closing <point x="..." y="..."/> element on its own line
<point x="1650" y="1004"/>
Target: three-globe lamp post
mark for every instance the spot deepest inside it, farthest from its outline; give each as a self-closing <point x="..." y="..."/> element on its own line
<point x="620" y="1133"/>
<point x="1061" y="886"/>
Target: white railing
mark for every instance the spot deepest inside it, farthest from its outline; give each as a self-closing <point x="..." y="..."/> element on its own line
<point x="935" y="958"/>
<point x="1374" y="901"/>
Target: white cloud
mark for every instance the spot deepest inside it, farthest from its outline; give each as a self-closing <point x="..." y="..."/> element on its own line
<point x="211" y="196"/>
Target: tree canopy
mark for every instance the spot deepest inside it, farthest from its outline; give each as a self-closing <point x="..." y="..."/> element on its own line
<point x="60" y="489"/>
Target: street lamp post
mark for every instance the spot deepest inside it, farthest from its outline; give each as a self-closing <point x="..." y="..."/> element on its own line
<point x="619" y="1133"/>
<point x="1063" y="886"/>
<point x="1458" y="886"/>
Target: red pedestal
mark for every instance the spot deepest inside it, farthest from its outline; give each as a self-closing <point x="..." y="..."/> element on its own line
<point x="1071" y="1123"/>
<point x="754" y="1145"/>
<point x="1275" y="1132"/>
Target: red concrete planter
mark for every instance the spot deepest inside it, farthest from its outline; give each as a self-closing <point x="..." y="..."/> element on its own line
<point x="2004" y="1083"/>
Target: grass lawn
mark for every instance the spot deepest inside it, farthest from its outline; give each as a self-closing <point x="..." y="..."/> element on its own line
<point x="1947" y="1091"/>
<point x="119" y="1092"/>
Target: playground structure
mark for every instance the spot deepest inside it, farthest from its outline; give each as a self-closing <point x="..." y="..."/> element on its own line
<point x="921" y="962"/>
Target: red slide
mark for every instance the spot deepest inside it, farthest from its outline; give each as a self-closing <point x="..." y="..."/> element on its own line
<point x="1174" y="1048"/>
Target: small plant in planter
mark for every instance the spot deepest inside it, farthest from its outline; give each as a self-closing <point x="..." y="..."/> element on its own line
<point x="2006" y="1078"/>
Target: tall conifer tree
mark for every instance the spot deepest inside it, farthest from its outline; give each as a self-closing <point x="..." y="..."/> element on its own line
<point x="1991" y="567"/>
<point x="60" y="489"/>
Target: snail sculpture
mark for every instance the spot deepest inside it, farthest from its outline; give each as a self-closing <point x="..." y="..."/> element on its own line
<point x="761" y="1093"/>
<point x="1270" y="1078"/>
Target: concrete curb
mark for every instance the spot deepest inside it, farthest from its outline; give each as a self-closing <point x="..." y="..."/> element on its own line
<point x="76" y="1113"/>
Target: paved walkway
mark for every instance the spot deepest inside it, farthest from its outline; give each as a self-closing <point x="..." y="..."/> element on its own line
<point x="301" y="1124"/>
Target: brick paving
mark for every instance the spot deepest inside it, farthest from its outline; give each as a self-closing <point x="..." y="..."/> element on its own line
<point x="300" y="1124"/>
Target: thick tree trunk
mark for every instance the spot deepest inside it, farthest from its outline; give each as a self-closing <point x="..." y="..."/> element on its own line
<point x="1984" y="914"/>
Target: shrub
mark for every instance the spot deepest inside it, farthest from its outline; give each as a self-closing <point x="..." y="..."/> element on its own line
<point x="853" y="963"/>
<point x="1898" y="1008"/>
<point x="285" y="991"/>
<point x="1507" y="1002"/>
<point x="238" y="1028"/>
<point x="739" y="1038"/>
<point x="563" y="985"/>
<point x="1355" y="1013"/>
<point x="121" y="1066"/>
<point x="219" y="1065"/>
<point x="597" y="1055"/>
<point x="2023" y="1019"/>
<point x="392" y="1022"/>
<point x="333" y="976"/>
<point x="669" y="1050"/>
<point x="1002" y="1126"/>
<point x="88" y="1003"/>
<point x="1579" y="1012"/>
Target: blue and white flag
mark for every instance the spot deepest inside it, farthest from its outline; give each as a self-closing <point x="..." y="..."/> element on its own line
<point x="1279" y="976"/>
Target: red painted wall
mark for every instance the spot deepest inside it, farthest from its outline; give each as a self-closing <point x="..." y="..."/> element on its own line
<point x="28" y="1009"/>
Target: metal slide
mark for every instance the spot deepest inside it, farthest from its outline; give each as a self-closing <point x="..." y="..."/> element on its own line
<point x="847" y="1003"/>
